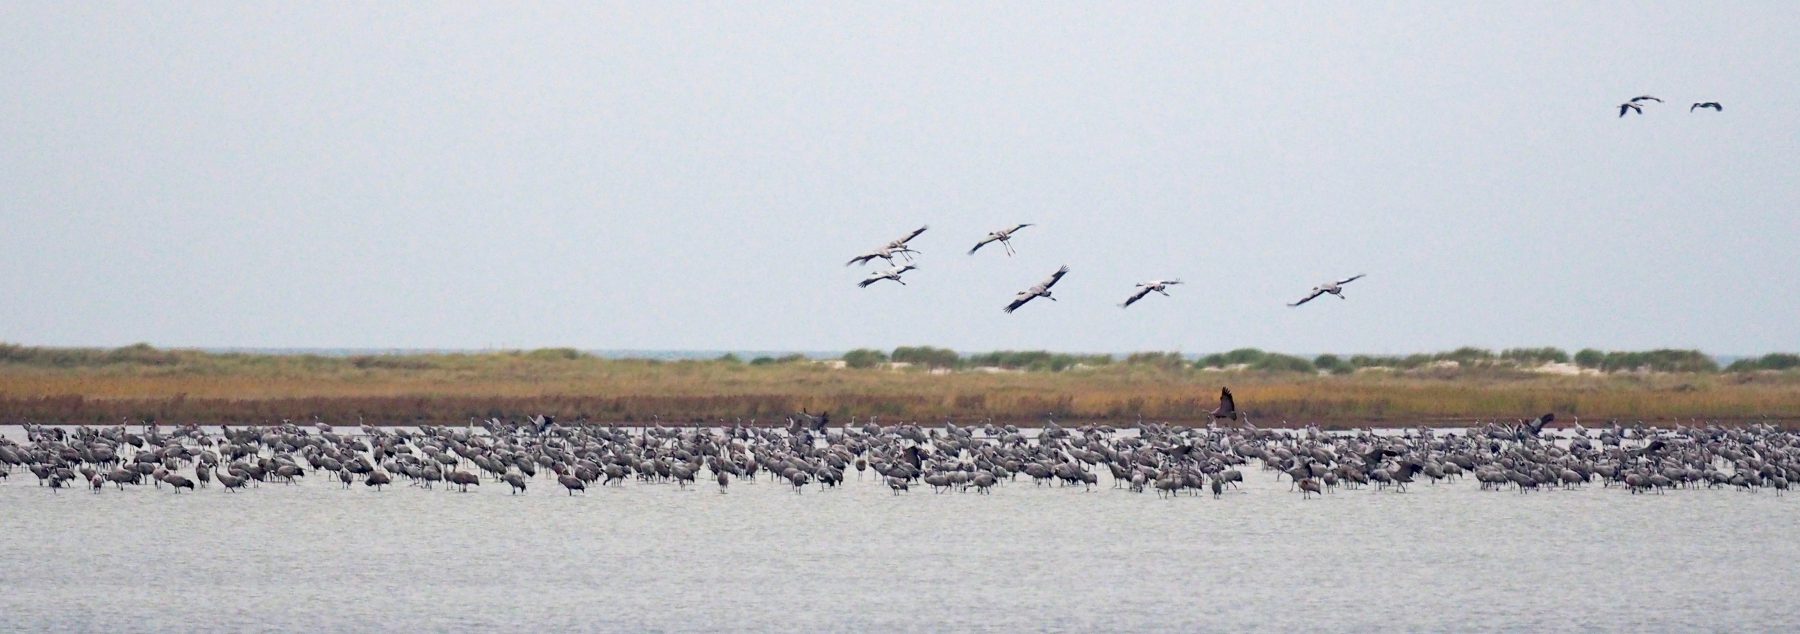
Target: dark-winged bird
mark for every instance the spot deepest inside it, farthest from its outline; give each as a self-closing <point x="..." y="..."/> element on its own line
<point x="1538" y="424"/>
<point x="1003" y="236"/>
<point x="1335" y="288"/>
<point x="1227" y="405"/>
<point x="890" y="274"/>
<point x="1160" y="286"/>
<point x="1707" y="104"/>
<point x="885" y="253"/>
<point x="1041" y="290"/>
<point x="1630" y="107"/>
<point x="902" y="243"/>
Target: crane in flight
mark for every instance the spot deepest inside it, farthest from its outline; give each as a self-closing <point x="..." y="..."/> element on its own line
<point x="890" y="274"/>
<point x="1334" y="288"/>
<point x="1145" y="288"/>
<point x="1002" y="236"/>
<point x="888" y="251"/>
<point x="1041" y="290"/>
<point x="885" y="253"/>
<point x="903" y="245"/>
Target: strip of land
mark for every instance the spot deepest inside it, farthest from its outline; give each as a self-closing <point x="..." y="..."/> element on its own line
<point x="178" y="386"/>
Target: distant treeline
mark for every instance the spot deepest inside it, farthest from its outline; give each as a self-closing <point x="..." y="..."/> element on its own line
<point x="1661" y="360"/>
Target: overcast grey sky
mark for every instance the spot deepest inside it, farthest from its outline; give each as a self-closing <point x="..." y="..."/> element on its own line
<point x="657" y="175"/>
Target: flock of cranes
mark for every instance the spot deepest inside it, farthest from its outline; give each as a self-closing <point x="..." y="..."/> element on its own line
<point x="1636" y="105"/>
<point x="901" y="249"/>
<point x="1524" y="456"/>
<point x="572" y="459"/>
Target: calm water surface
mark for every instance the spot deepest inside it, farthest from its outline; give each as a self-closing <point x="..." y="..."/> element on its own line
<point x="652" y="557"/>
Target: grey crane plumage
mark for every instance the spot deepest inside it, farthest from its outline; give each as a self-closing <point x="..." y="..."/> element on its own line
<point x="891" y="249"/>
<point x="886" y="253"/>
<point x="1309" y="488"/>
<point x="1227" y="405"/>
<point x="890" y="274"/>
<point x="903" y="242"/>
<point x="1003" y="236"/>
<point x="1042" y="289"/>
<point x="1334" y="288"/>
<point x="572" y="483"/>
<point x="1145" y="288"/>
<point x="1537" y="424"/>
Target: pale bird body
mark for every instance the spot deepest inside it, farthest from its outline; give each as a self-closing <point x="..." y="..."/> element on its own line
<point x="1334" y="288"/>
<point x="1042" y="289"/>
<point x="1145" y="288"/>
<point x="1002" y="236"/>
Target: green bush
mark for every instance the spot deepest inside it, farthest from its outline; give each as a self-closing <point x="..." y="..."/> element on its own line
<point x="926" y="356"/>
<point x="1373" y="361"/>
<point x="1164" y="360"/>
<point x="1331" y="363"/>
<point x="1660" y="360"/>
<point x="1590" y="358"/>
<point x="1273" y="362"/>
<point x="862" y="358"/>
<point x="1779" y="361"/>
<point x="1244" y="356"/>
<point x="555" y="354"/>
<point x="1466" y="356"/>
<point x="1535" y="356"/>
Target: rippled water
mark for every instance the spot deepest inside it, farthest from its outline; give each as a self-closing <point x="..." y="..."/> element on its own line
<point x="652" y="557"/>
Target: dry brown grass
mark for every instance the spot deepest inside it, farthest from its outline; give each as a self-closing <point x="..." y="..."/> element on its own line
<point x="196" y="387"/>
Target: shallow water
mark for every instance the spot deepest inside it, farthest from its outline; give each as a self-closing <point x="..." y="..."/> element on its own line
<point x="653" y="557"/>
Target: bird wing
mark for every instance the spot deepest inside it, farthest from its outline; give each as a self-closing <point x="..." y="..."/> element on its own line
<point x="1692" y="107"/>
<point x="872" y="279"/>
<point x="1142" y="291"/>
<point x="1227" y="404"/>
<point x="1018" y="227"/>
<point x="1308" y="298"/>
<point x="862" y="259"/>
<point x="914" y="234"/>
<point x="1054" y="277"/>
<point x="982" y="243"/>
<point x="1020" y="301"/>
<point x="1353" y="278"/>
<point x="1537" y="424"/>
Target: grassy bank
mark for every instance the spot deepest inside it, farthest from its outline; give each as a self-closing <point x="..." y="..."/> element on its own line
<point x="104" y="386"/>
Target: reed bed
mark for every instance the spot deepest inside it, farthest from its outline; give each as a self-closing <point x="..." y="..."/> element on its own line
<point x="187" y="386"/>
